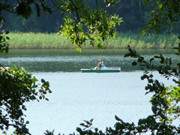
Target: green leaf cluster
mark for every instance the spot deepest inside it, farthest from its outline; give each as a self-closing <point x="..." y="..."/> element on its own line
<point x="83" y="24"/>
<point x="18" y="87"/>
<point x="164" y="14"/>
<point x="4" y="46"/>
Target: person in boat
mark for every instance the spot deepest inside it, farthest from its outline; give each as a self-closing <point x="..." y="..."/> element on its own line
<point x="100" y="65"/>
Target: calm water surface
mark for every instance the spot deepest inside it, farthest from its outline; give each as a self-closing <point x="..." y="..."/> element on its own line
<point x="81" y="96"/>
<point x="60" y="60"/>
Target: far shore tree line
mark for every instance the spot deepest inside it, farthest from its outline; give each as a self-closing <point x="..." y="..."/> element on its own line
<point x="93" y="22"/>
<point x="134" y="13"/>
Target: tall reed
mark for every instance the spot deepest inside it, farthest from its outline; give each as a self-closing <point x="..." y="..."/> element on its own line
<point x="121" y="40"/>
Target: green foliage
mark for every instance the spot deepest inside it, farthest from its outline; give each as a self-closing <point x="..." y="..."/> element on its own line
<point x="24" y="7"/>
<point x="17" y="88"/>
<point x="119" y="41"/>
<point x="3" y="37"/>
<point x="111" y="2"/>
<point x="49" y="132"/>
<point x="3" y="42"/>
<point x="82" y="23"/>
<point x="165" y="100"/>
<point x="135" y="15"/>
<point x="163" y="15"/>
<point x="38" y="40"/>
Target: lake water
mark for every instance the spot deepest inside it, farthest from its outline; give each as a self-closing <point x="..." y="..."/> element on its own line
<point x="61" y="60"/>
<point x="81" y="96"/>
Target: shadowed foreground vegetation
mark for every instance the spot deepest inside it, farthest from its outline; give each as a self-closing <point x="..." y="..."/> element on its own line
<point x="121" y="40"/>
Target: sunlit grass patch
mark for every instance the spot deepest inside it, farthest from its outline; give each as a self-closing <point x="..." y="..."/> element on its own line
<point x="120" y="41"/>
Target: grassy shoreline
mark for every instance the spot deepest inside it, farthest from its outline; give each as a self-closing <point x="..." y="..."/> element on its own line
<point x="121" y="41"/>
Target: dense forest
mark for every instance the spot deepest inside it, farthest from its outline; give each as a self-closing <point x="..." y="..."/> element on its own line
<point x="133" y="12"/>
